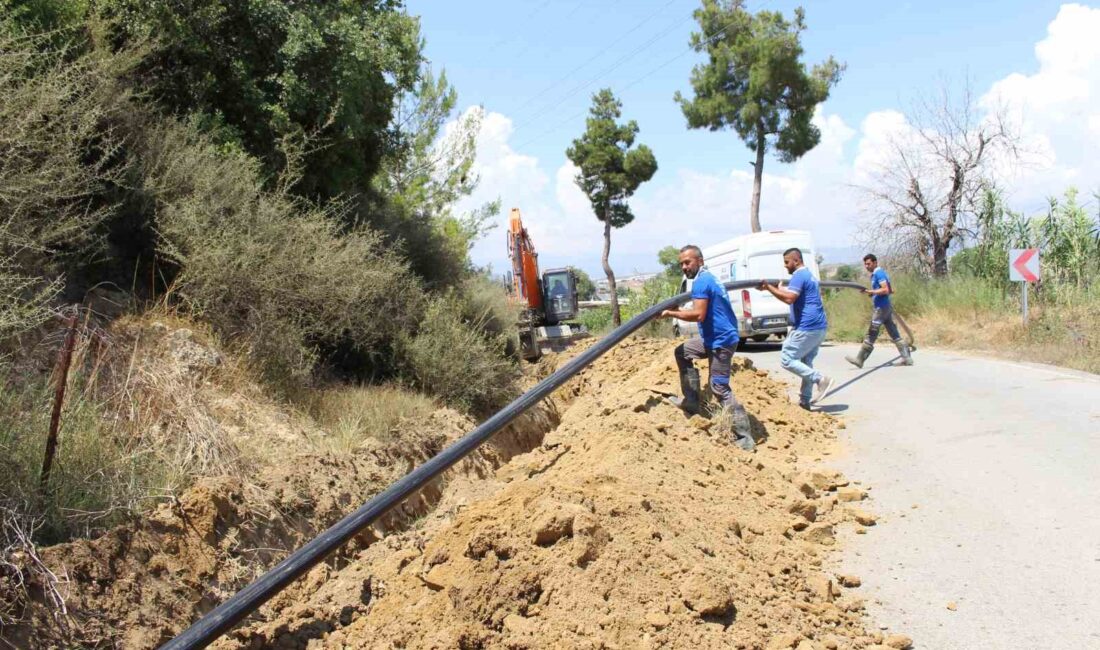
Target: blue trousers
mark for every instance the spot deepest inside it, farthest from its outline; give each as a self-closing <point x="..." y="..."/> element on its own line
<point x="798" y="354"/>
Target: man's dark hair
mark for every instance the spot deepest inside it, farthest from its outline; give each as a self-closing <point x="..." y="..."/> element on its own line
<point x="870" y="256"/>
<point x="796" y="251"/>
<point x="693" y="248"/>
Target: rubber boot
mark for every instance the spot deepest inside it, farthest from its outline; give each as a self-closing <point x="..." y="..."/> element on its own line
<point x="861" y="356"/>
<point x="903" y="348"/>
<point x="689" y="385"/>
<point x="742" y="429"/>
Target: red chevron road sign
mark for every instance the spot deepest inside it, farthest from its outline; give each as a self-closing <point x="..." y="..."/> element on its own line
<point x="1023" y="265"/>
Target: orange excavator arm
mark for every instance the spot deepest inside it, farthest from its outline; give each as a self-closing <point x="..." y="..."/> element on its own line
<point x="525" y="262"/>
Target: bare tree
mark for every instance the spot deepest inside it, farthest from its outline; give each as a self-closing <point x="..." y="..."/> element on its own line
<point x="925" y="196"/>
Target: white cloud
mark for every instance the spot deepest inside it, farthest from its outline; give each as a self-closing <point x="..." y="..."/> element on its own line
<point x="1056" y="107"/>
<point x="691" y="206"/>
<point x="879" y="131"/>
<point x="706" y="207"/>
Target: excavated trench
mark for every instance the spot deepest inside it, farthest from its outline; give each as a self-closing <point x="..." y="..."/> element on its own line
<point x="630" y="526"/>
<point x="142" y="583"/>
<point x="604" y="518"/>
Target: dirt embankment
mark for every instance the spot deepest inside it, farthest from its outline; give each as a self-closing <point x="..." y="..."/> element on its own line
<point x="142" y="583"/>
<point x="631" y="526"/>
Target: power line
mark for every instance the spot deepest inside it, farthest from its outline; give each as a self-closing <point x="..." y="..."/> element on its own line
<point x="619" y="63"/>
<point x="633" y="83"/>
<point x="504" y="39"/>
<point x="593" y="57"/>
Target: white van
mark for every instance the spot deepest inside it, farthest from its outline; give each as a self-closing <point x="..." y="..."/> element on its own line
<point x="755" y="256"/>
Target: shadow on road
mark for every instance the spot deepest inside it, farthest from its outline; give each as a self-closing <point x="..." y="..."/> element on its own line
<point x="757" y="348"/>
<point x="752" y="348"/>
<point x="832" y="408"/>
<point x="885" y="364"/>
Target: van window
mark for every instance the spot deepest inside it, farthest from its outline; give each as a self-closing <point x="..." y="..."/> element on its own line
<point x="767" y="266"/>
<point x="733" y="271"/>
<point x="770" y="265"/>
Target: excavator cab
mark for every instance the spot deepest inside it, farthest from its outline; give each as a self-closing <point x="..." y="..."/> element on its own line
<point x="559" y="286"/>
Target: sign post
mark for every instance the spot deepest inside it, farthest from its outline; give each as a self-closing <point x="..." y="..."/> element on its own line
<point x="1023" y="266"/>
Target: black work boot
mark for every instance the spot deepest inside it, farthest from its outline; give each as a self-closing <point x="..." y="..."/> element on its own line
<point x="903" y="348"/>
<point x="689" y="385"/>
<point x="742" y="428"/>
<point x="861" y="356"/>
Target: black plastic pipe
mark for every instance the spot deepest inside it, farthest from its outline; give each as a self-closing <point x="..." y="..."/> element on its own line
<point x="226" y="615"/>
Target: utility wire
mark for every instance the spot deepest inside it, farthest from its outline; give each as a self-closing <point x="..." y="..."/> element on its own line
<point x="633" y="83"/>
<point x="616" y="65"/>
<point x="504" y="39"/>
<point x="592" y="58"/>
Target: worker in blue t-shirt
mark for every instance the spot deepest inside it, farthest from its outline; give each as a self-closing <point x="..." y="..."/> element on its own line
<point x="808" y="324"/>
<point x="710" y="307"/>
<point x="882" y="314"/>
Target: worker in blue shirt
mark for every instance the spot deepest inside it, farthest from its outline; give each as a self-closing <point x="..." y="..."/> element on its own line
<point x="881" y="315"/>
<point x="711" y="308"/>
<point x="808" y="326"/>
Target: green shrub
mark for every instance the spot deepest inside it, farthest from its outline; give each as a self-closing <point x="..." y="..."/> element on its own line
<point x="486" y="302"/>
<point x="597" y="320"/>
<point x="56" y="156"/>
<point x="56" y="148"/>
<point x="274" y="275"/>
<point x="635" y="301"/>
<point x="24" y="302"/>
<point x="455" y="360"/>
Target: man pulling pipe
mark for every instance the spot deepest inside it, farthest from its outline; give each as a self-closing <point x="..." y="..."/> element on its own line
<point x="710" y="308"/>
<point x="807" y="320"/>
<point x="881" y="315"/>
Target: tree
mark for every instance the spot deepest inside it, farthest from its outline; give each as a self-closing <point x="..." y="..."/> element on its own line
<point x="610" y="172"/>
<point x="258" y="71"/>
<point x="846" y="273"/>
<point x="755" y="83"/>
<point x="931" y="188"/>
<point x="586" y="288"/>
<point x="669" y="258"/>
<point x="427" y="170"/>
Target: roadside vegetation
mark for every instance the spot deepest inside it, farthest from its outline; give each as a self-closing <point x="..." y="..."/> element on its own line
<point x="599" y="320"/>
<point x="270" y="220"/>
<point x="974" y="305"/>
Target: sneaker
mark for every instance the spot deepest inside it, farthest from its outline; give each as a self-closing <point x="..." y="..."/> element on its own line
<point x="804" y="405"/>
<point x="822" y="388"/>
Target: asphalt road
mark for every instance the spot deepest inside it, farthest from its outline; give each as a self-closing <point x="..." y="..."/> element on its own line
<point x="985" y="475"/>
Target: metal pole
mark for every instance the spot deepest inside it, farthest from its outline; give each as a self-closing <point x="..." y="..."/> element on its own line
<point x="64" y="358"/>
<point x="226" y="615"/>
<point x="1025" y="303"/>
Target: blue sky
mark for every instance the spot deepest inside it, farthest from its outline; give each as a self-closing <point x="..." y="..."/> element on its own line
<point x="533" y="65"/>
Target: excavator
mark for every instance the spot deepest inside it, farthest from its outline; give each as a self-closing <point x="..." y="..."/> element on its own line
<point x="548" y="301"/>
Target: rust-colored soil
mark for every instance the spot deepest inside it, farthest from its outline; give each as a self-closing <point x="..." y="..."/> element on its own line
<point x="140" y="584"/>
<point x="631" y="526"/>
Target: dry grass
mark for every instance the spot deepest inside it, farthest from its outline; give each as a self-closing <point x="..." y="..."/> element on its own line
<point x="153" y="404"/>
<point x="974" y="314"/>
<point x="351" y="415"/>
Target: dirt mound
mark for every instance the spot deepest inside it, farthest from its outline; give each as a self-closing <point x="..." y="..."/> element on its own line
<point x="631" y="526"/>
<point x="141" y="583"/>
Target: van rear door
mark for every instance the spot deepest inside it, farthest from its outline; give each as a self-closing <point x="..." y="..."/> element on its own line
<point x="767" y="310"/>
